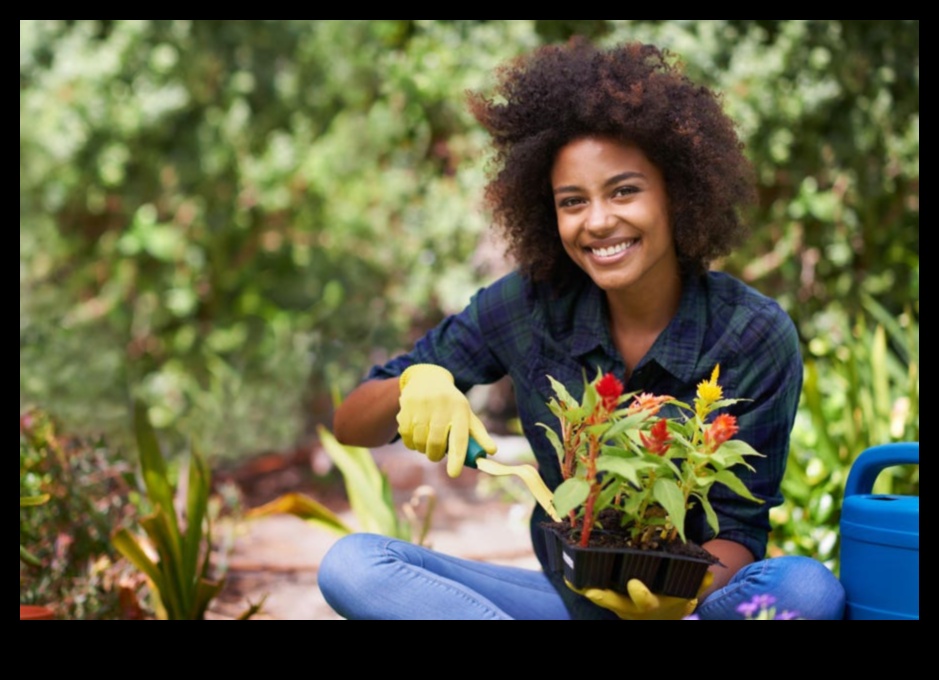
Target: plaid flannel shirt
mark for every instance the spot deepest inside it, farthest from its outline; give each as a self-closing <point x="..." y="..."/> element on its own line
<point x="515" y="328"/>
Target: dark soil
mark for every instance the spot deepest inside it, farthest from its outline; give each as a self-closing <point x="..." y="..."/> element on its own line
<point x="609" y="534"/>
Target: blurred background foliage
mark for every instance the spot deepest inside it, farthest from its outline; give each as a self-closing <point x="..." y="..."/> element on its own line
<point x="232" y="220"/>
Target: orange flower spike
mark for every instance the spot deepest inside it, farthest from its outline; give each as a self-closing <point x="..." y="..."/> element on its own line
<point x="647" y="402"/>
<point x="723" y="428"/>
<point x="659" y="441"/>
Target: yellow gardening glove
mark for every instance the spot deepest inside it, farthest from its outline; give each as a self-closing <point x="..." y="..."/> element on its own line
<point x="435" y="418"/>
<point x="641" y="603"/>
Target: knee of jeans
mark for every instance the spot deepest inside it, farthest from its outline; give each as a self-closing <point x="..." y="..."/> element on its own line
<point x="339" y="563"/>
<point x="817" y="590"/>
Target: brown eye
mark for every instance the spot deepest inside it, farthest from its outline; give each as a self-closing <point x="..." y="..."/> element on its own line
<point x="626" y="190"/>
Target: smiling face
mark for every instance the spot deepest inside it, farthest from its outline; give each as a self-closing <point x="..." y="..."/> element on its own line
<point x="612" y="211"/>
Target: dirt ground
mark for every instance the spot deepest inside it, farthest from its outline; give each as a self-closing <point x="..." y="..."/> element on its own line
<point x="274" y="560"/>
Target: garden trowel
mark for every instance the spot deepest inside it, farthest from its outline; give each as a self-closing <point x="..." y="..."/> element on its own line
<point x="476" y="458"/>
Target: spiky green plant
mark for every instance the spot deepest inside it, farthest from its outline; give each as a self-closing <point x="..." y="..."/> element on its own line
<point x="179" y="574"/>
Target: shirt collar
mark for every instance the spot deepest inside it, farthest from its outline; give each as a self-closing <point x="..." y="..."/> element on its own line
<point x="677" y="348"/>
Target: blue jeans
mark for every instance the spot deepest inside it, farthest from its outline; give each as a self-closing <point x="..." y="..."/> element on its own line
<point x="367" y="576"/>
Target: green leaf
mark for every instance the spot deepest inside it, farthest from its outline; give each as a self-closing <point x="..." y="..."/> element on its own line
<point x="737" y="448"/>
<point x="555" y="407"/>
<point x="607" y="495"/>
<point x="253" y="608"/>
<point x="626" y="423"/>
<point x="570" y="494"/>
<point x="196" y="504"/>
<point x="684" y="406"/>
<point x="679" y="438"/>
<point x="166" y="540"/>
<point x="29" y="558"/>
<point x="709" y="513"/>
<point x="555" y="441"/>
<point x="364" y="485"/>
<point x="126" y="544"/>
<point x="879" y="378"/>
<point x="729" y="479"/>
<point x="400" y="527"/>
<point x="206" y="591"/>
<point x="627" y="468"/>
<point x="159" y="490"/>
<point x="563" y="394"/>
<point x="591" y="398"/>
<point x="826" y="448"/>
<point x="669" y="496"/>
<point x="31" y="501"/>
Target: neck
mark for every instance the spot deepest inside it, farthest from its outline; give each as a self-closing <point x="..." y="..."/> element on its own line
<point x="647" y="311"/>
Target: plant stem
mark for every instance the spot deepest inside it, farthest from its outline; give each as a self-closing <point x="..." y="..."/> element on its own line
<point x="644" y="505"/>
<point x="592" y="453"/>
<point x="571" y="440"/>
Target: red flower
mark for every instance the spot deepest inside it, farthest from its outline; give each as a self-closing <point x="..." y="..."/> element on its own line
<point x="658" y="442"/>
<point x="609" y="389"/>
<point x="723" y="428"/>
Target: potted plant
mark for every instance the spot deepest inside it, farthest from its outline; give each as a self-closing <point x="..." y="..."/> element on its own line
<point x="630" y="476"/>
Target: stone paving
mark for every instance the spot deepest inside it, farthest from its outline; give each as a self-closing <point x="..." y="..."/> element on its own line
<point x="276" y="558"/>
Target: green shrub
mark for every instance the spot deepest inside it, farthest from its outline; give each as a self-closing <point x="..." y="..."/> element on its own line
<point x="861" y="389"/>
<point x="71" y="565"/>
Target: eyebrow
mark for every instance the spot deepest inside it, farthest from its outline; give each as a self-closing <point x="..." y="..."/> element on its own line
<point x="615" y="179"/>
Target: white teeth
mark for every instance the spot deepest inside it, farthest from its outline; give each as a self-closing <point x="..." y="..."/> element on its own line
<point x="612" y="250"/>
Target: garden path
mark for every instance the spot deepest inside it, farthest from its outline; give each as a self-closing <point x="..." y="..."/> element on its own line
<point x="276" y="558"/>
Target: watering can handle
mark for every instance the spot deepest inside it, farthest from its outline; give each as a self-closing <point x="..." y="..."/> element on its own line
<point x="875" y="459"/>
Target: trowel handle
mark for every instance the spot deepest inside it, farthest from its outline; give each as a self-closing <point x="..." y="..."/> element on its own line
<point x="873" y="461"/>
<point x="473" y="452"/>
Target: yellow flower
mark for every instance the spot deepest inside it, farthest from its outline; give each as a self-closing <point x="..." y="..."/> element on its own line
<point x="708" y="390"/>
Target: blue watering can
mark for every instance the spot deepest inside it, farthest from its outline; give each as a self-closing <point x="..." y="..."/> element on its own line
<point x="880" y="540"/>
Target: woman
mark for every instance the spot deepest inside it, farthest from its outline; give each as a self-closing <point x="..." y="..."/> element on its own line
<point x="618" y="181"/>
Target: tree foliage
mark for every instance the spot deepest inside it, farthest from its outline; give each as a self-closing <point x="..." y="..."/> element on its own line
<point x="231" y="218"/>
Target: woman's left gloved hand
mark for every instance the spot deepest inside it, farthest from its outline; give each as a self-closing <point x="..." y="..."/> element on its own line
<point x="642" y="603"/>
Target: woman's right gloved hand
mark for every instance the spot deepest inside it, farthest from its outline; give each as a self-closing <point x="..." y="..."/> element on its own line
<point x="435" y="418"/>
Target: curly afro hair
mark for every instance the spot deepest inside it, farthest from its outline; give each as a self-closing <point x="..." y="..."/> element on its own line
<point x="634" y="93"/>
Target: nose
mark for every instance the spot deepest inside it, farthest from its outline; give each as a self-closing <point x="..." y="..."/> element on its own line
<point x="599" y="217"/>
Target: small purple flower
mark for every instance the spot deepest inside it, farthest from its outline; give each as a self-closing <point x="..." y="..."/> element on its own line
<point x="758" y="604"/>
<point x="748" y="609"/>
<point x="787" y="615"/>
<point x="764" y="601"/>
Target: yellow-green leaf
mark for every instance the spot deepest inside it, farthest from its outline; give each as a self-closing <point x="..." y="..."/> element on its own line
<point x="126" y="544"/>
<point x="305" y="508"/>
<point x="364" y="485"/>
